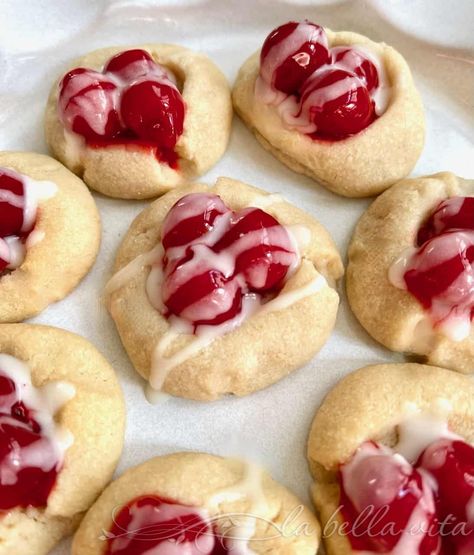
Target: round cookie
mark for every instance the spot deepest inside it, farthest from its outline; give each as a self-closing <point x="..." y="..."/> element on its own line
<point x="224" y="493"/>
<point x="63" y="244"/>
<point x="72" y="379"/>
<point x="265" y="347"/>
<point x="359" y="165"/>
<point x="394" y="316"/>
<point x="131" y="169"/>
<point x="380" y="404"/>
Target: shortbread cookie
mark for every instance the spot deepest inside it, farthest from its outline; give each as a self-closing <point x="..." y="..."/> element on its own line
<point x="391" y="451"/>
<point x="197" y="504"/>
<point x="223" y="289"/>
<point x="61" y="434"/>
<point x="49" y="233"/>
<point x="334" y="106"/>
<point x="410" y="275"/>
<point x="136" y="122"/>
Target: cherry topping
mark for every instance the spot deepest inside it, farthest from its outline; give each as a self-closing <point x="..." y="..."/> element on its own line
<point x="12" y="199"/>
<point x="454" y="213"/>
<point x="383" y="498"/>
<point x="451" y="463"/>
<point x="28" y="460"/>
<point x="154" y="111"/>
<point x="337" y="102"/>
<point x="131" y="102"/>
<point x="130" y="64"/>
<point x="88" y="103"/>
<point x="291" y="53"/>
<point x="148" y="522"/>
<point x="214" y="257"/>
<point x="354" y="60"/>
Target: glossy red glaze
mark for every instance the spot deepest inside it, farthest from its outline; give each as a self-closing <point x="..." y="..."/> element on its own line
<point x="387" y="494"/>
<point x="451" y="463"/>
<point x="213" y="257"/>
<point x="22" y="485"/>
<point x="132" y="103"/>
<point x="301" y="62"/>
<point x="337" y="118"/>
<point x="149" y="521"/>
<point x="11" y="215"/>
<point x="355" y="61"/>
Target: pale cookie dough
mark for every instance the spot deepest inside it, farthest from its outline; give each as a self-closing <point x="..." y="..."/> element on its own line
<point x="393" y="316"/>
<point x="130" y="173"/>
<point x="358" y="166"/>
<point x="264" y="348"/>
<point x="367" y="405"/>
<point x="95" y="416"/>
<point x="222" y="486"/>
<point x="68" y="225"/>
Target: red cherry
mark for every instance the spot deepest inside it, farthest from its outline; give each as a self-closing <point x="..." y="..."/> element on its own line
<point x="379" y="496"/>
<point x="451" y="463"/>
<point x="87" y="101"/>
<point x="131" y="64"/>
<point x="291" y="53"/>
<point x="262" y="248"/>
<point x="149" y="521"/>
<point x="190" y="218"/>
<point x="12" y="198"/>
<point x="154" y="111"/>
<point x="337" y="102"/>
<point x="454" y="213"/>
<point x="354" y="60"/>
<point x="8" y="394"/>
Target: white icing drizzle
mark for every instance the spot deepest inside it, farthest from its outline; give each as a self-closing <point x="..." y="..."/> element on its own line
<point x="249" y="488"/>
<point x="44" y="402"/>
<point x="450" y="311"/>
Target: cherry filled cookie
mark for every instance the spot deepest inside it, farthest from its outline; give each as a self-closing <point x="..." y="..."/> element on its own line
<point x="223" y="289"/>
<point x="334" y="106"/>
<point x="413" y="253"/>
<point x="136" y="122"/>
<point x="61" y="434"/>
<point x="391" y="450"/>
<point x="49" y="233"/>
<point x="197" y="504"/>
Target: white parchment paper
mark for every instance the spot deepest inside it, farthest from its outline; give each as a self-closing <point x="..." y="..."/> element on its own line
<point x="37" y="39"/>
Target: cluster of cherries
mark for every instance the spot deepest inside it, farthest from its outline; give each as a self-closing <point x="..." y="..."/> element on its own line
<point x="427" y="507"/>
<point x="12" y="215"/>
<point x="28" y="459"/>
<point x="440" y="274"/>
<point x="214" y="257"/>
<point x="133" y="101"/>
<point x="333" y="87"/>
<point x="150" y="521"/>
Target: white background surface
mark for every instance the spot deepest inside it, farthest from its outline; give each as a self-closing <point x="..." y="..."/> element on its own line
<point x="38" y="37"/>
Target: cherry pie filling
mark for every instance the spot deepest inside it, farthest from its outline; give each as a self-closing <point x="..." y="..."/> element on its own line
<point x="30" y="457"/>
<point x="326" y="93"/>
<point x="420" y="508"/>
<point x="17" y="219"/>
<point x="218" y="262"/>
<point x="439" y="272"/>
<point x="132" y="101"/>
<point x="150" y="522"/>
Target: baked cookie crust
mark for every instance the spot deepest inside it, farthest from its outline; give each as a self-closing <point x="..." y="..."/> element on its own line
<point x="55" y="265"/>
<point x="359" y="166"/>
<point x="267" y="346"/>
<point x="96" y="418"/>
<point x="192" y="479"/>
<point x="367" y="405"/>
<point x="390" y="315"/>
<point x="130" y="173"/>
